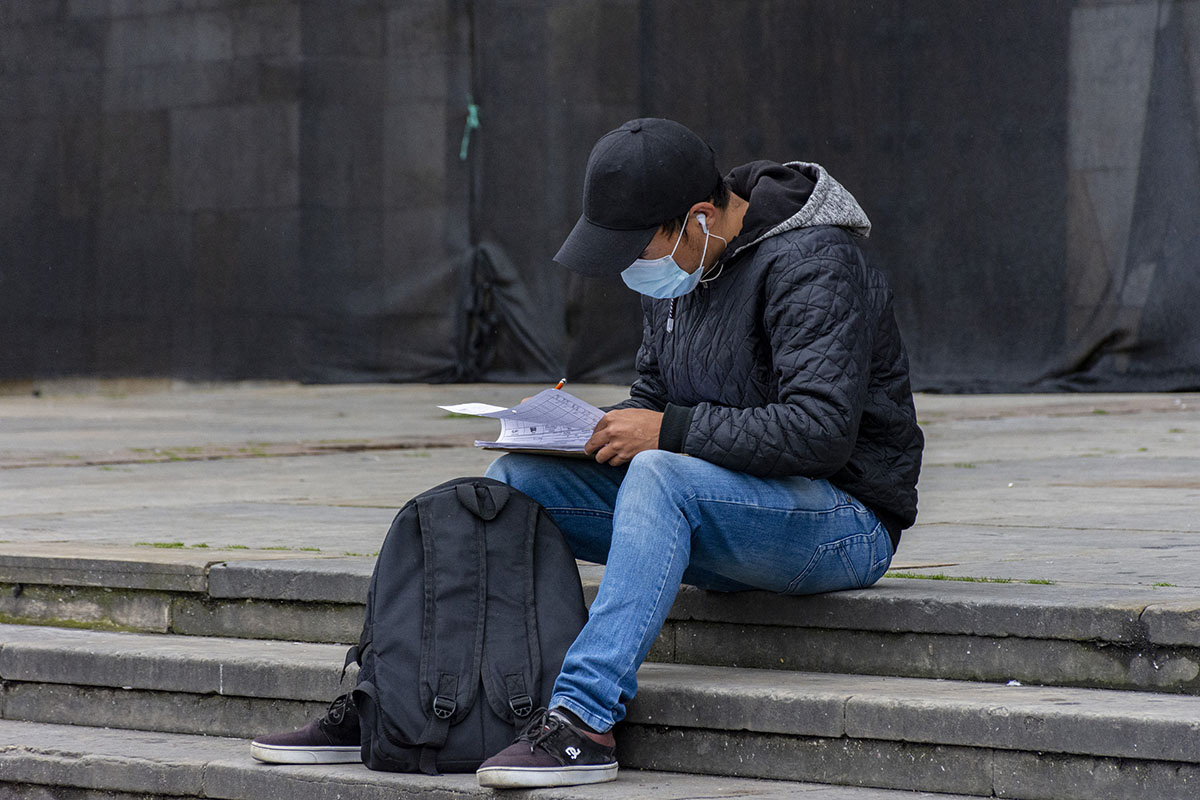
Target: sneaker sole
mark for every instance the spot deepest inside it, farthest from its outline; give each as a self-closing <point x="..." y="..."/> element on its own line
<point x="278" y="754"/>
<point x="534" y="777"/>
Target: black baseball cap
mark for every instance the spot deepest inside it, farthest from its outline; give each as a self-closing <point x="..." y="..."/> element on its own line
<point x="644" y="173"/>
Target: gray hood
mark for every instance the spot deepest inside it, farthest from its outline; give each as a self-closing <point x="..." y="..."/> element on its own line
<point x="784" y="197"/>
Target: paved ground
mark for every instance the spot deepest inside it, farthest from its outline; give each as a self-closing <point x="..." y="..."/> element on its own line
<point x="1095" y="489"/>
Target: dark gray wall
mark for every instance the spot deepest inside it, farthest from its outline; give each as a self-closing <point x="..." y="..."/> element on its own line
<point x="150" y="158"/>
<point x="274" y="188"/>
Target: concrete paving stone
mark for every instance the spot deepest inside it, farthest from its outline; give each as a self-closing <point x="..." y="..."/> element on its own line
<point x="343" y="580"/>
<point x="1173" y="623"/>
<point x="979" y="493"/>
<point x="1044" y="776"/>
<point x="1062" y="555"/>
<point x="712" y="697"/>
<point x="949" y="407"/>
<point x="167" y="712"/>
<point x="182" y="776"/>
<point x="218" y="525"/>
<point x="30" y="792"/>
<point x="1084" y="613"/>
<point x="94" y="607"/>
<point x="1093" y="722"/>
<point x="1071" y="565"/>
<point x="259" y="619"/>
<point x="979" y="483"/>
<point x="222" y="768"/>
<point x="23" y="563"/>
<point x="848" y="762"/>
<point x="1029" y="438"/>
<point x="842" y="646"/>
<point x="338" y="503"/>
<point x="953" y="607"/>
<point x="1121" y="516"/>
<point x="73" y="563"/>
<point x="1078" y="721"/>
<point x="958" y="657"/>
<point x="79" y="419"/>
<point x="1164" y="511"/>
<point x="196" y="665"/>
<point x="1014" y="436"/>
<point x="1084" y="721"/>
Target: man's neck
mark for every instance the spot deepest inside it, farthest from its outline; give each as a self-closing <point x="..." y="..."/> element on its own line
<point x="731" y="220"/>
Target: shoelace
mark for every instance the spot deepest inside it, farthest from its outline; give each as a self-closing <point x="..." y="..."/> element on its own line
<point x="337" y="710"/>
<point x="541" y="727"/>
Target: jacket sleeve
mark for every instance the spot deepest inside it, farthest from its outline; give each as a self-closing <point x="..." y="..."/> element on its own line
<point x="648" y="391"/>
<point x="816" y="319"/>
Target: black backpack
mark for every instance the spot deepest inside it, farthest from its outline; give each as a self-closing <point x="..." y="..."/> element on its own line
<point x="474" y="601"/>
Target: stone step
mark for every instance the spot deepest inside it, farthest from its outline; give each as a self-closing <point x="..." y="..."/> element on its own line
<point x="38" y="760"/>
<point x="886" y="732"/>
<point x="1117" y="637"/>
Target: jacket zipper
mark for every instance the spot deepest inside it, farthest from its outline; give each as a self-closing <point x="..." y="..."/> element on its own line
<point x="671" y="317"/>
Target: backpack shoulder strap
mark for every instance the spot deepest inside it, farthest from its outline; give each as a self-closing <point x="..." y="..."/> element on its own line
<point x="511" y="653"/>
<point x="453" y="540"/>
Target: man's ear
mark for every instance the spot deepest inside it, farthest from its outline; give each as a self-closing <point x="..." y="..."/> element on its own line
<point x="707" y="209"/>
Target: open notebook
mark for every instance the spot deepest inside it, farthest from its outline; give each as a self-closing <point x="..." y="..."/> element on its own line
<point x="552" y="421"/>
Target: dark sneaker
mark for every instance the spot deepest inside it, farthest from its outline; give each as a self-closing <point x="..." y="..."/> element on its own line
<point x="332" y="739"/>
<point x="551" y="752"/>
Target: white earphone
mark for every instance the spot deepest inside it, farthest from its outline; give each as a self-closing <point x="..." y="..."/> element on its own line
<point x="703" y="220"/>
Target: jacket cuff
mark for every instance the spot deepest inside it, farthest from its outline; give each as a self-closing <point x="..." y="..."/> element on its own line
<point x="675" y="423"/>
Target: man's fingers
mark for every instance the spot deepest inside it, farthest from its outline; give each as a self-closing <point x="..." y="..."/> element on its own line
<point x="592" y="445"/>
<point x="606" y="455"/>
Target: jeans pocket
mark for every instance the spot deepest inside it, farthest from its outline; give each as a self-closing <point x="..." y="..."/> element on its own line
<point x="853" y="562"/>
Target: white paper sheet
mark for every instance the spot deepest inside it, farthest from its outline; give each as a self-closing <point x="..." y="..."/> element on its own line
<point x="550" y="420"/>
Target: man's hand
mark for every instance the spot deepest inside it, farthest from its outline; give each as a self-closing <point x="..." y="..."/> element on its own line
<point x="624" y="433"/>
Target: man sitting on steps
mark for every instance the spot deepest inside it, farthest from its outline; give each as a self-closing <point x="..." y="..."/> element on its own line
<point x="769" y="442"/>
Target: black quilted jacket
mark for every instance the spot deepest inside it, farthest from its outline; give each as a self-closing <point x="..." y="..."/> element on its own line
<point x="789" y="362"/>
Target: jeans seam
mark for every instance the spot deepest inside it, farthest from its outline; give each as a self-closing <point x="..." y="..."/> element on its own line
<point x="782" y="510"/>
<point x="848" y="563"/>
<point x="582" y="512"/>
<point x="881" y="531"/>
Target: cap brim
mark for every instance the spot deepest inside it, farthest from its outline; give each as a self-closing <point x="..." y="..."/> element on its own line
<point x="597" y="251"/>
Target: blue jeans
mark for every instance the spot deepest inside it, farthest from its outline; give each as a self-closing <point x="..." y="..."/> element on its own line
<point x="667" y="519"/>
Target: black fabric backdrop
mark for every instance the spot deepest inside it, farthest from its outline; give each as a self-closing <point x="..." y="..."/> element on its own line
<point x="277" y="190"/>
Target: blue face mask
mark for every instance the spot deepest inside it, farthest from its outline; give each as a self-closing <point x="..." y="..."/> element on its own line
<point x="663" y="277"/>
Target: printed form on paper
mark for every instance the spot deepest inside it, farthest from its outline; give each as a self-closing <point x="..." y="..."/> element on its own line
<point x="552" y="420"/>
